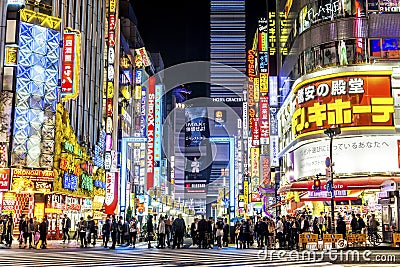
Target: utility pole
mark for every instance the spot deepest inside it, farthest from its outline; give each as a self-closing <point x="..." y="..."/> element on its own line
<point x="331" y="133"/>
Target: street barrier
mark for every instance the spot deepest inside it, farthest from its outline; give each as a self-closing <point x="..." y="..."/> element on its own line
<point x="330" y="240"/>
<point x="396" y="239"/>
<point x="308" y="241"/>
<point x="356" y="239"/>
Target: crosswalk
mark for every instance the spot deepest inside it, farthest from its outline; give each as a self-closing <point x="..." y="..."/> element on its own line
<point x="147" y="257"/>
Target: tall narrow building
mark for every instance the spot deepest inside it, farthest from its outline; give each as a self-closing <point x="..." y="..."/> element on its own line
<point x="228" y="47"/>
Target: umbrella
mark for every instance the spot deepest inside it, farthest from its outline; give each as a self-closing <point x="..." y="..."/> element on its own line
<point x="236" y="219"/>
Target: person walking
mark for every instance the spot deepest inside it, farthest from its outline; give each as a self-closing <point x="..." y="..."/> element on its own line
<point x="279" y="232"/>
<point x="21" y="230"/>
<point x="106" y="229"/>
<point x="24" y="228"/>
<point x="202" y="232"/>
<point x="91" y="230"/>
<point x="114" y="231"/>
<point x="82" y="227"/>
<point x="120" y="232"/>
<point x="271" y="233"/>
<point x="179" y="228"/>
<point x="133" y="228"/>
<point x="31" y="232"/>
<point x="225" y="238"/>
<point x="150" y="231"/>
<point x="219" y="226"/>
<point x="9" y="231"/>
<point x="194" y="231"/>
<point x="161" y="233"/>
<point x="66" y="226"/>
<point x="341" y="227"/>
<point x="354" y="224"/>
<point x="321" y="224"/>
<point x="43" y="229"/>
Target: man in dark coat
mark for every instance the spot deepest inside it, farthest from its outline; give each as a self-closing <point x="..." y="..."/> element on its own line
<point x="202" y="228"/>
<point x="179" y="227"/>
<point x="66" y="225"/>
<point x="106" y="229"/>
<point x="114" y="231"/>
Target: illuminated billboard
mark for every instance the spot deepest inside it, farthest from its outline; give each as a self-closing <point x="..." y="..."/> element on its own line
<point x="70" y="65"/>
<point x="348" y="101"/>
<point x="36" y="96"/>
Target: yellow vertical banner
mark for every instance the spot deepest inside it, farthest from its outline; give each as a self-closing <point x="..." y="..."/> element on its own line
<point x="255" y="165"/>
<point x="246" y="191"/>
<point x="256" y="89"/>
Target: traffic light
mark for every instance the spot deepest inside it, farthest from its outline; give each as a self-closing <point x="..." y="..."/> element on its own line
<point x="329" y="186"/>
<point x="317" y="185"/>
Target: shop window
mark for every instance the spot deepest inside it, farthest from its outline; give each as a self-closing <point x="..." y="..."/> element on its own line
<point x="329" y="55"/>
<point x="391" y="48"/>
<point x="308" y="59"/>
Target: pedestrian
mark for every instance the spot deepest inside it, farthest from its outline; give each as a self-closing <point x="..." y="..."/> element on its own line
<point x="120" y="234"/>
<point x="354" y="224"/>
<point x="31" y="232"/>
<point x="114" y="231"/>
<point x="25" y="234"/>
<point x="150" y="231"/>
<point x="210" y="232"/>
<point x="9" y="231"/>
<point x="360" y="223"/>
<point x="194" y="231"/>
<point x="271" y="233"/>
<point x="202" y="227"/>
<point x="66" y="226"/>
<point x="219" y="226"/>
<point x="161" y="232"/>
<point x="237" y="233"/>
<point x="133" y="229"/>
<point x="106" y="229"/>
<point x="21" y="230"/>
<point x="244" y="233"/>
<point x="225" y="238"/>
<point x="91" y="231"/>
<point x="341" y="227"/>
<point x="321" y="224"/>
<point x="82" y="227"/>
<point x="43" y="229"/>
<point x="304" y="224"/>
<point x="294" y="233"/>
<point x="168" y="230"/>
<point x="316" y="228"/>
<point x="279" y="232"/>
<point x="178" y="227"/>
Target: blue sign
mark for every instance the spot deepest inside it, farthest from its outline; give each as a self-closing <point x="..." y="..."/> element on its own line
<point x="70" y="182"/>
<point x="99" y="184"/>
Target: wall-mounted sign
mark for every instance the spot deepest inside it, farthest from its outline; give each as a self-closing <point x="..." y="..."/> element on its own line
<point x="111" y="199"/>
<point x="70" y="65"/>
<point x="70" y="181"/>
<point x="34" y="175"/>
<point x="4" y="179"/>
<point x="347" y="101"/>
<point x="141" y="54"/>
<point x="150" y="132"/>
<point x="11" y="55"/>
<point x="264" y="120"/>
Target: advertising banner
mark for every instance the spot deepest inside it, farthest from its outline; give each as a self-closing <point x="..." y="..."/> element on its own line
<point x="349" y="101"/>
<point x="70" y="66"/>
<point x="274" y="150"/>
<point x="255" y="164"/>
<point x="111" y="199"/>
<point x="264" y="120"/>
<point x="255" y="131"/>
<point x="150" y="132"/>
<point x="195" y="128"/>
<point x="365" y="154"/>
<point x="4" y="179"/>
<point x="265" y="171"/>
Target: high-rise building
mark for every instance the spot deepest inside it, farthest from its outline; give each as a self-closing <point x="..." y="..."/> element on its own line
<point x="228" y="47"/>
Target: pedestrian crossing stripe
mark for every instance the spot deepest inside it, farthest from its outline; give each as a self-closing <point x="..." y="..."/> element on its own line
<point x="145" y="257"/>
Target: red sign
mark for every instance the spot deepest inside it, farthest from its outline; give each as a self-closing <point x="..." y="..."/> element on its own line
<point x="264" y="118"/>
<point x="109" y="107"/>
<point x="111" y="22"/>
<point x="255" y="197"/>
<point x="150" y="133"/>
<point x="4" y="179"/>
<point x="111" y="38"/>
<point x="349" y="101"/>
<point x="255" y="131"/>
<point x="111" y="199"/>
<point x="266" y="174"/>
<point x="68" y="58"/>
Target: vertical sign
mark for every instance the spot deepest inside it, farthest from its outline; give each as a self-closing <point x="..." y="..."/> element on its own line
<point x="143" y="113"/>
<point x="157" y="134"/>
<point x="150" y="133"/>
<point x="250" y="90"/>
<point x="255" y="167"/>
<point x="255" y="131"/>
<point x="110" y="67"/>
<point x="111" y="199"/>
<point x="264" y="120"/>
<point x="70" y="66"/>
<point x="246" y="191"/>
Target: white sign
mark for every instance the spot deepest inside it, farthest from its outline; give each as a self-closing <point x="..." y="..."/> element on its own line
<point x="365" y="154"/>
<point x="107" y="161"/>
<point x="274" y="150"/>
<point x="324" y="194"/>
<point x="110" y="180"/>
<point x="114" y="160"/>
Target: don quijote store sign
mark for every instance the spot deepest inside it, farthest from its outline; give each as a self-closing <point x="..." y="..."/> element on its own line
<point x="349" y="101"/>
<point x="34" y="175"/>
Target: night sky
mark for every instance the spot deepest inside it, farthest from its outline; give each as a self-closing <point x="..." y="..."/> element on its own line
<point x="180" y="30"/>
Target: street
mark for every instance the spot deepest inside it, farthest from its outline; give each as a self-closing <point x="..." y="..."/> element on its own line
<point x="71" y="255"/>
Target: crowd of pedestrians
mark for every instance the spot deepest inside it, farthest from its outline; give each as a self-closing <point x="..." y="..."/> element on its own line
<point x="260" y="232"/>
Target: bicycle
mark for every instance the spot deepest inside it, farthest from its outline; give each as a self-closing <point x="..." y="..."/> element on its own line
<point x="374" y="238"/>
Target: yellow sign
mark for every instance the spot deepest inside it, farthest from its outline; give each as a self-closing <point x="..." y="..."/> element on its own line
<point x="53" y="210"/>
<point x="11" y="56"/>
<point x="246" y="191"/>
<point x="263" y="83"/>
<point x="255" y="164"/>
<point x="256" y="89"/>
<point x="138" y="92"/>
<point x="39" y="210"/>
<point x="110" y="90"/>
<point x="112" y="6"/>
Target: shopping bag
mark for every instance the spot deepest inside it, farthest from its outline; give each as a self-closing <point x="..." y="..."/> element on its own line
<point x="37" y="237"/>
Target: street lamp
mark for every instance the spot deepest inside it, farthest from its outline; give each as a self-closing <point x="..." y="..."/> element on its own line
<point x="332" y="132"/>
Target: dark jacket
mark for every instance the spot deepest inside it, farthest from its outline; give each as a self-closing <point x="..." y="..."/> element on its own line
<point x="202" y="225"/>
<point x="150" y="227"/>
<point x="68" y="224"/>
<point x="179" y="225"/>
<point x="106" y="228"/>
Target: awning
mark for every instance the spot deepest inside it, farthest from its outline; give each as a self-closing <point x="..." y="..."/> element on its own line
<point x="359" y="183"/>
